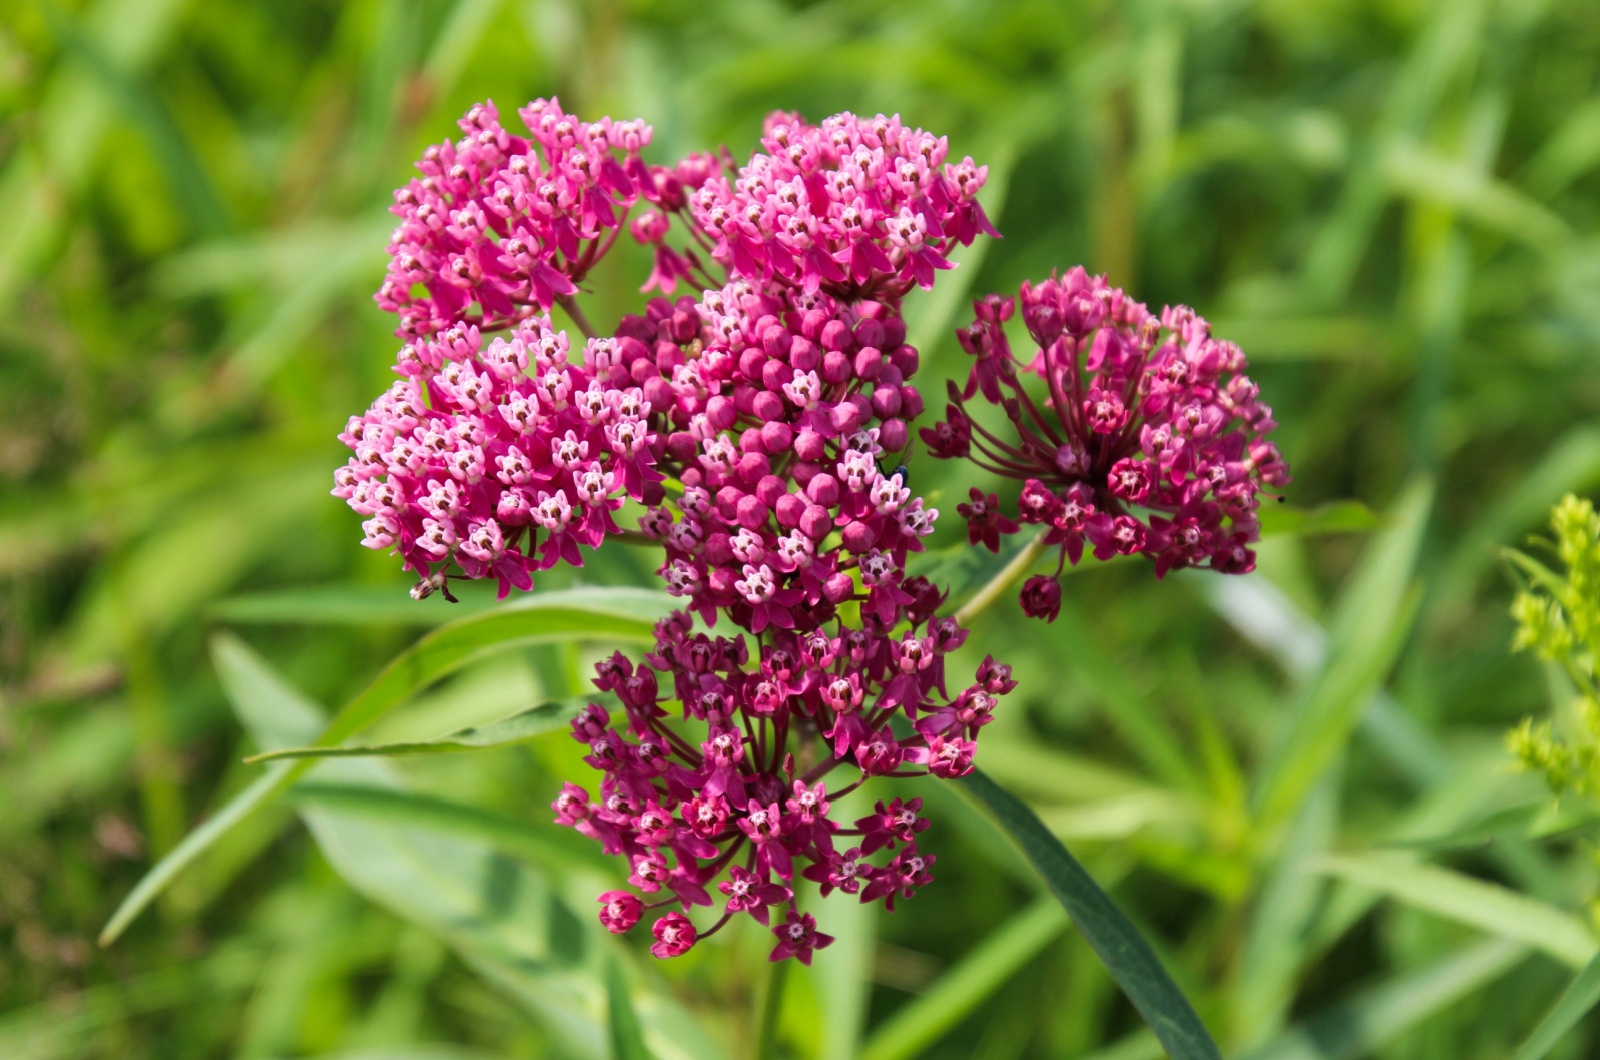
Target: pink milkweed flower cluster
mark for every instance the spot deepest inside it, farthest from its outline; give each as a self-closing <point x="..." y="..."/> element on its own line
<point x="755" y="426"/>
<point x="500" y="457"/>
<point x="505" y="223"/>
<point x="855" y="207"/>
<point x="1146" y="438"/>
<point x="779" y="420"/>
<point x="735" y="804"/>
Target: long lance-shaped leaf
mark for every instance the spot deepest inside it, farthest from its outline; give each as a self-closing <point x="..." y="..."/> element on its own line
<point x="1581" y="995"/>
<point x="605" y="614"/>
<point x="1125" y="953"/>
<point x="260" y="791"/>
<point x="517" y="728"/>
<point x="1486" y="906"/>
<point x="578" y="614"/>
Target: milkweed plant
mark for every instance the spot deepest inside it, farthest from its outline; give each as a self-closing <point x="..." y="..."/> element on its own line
<point x="751" y="423"/>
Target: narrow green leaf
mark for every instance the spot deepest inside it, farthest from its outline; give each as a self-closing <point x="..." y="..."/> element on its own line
<point x="518" y="728"/>
<point x="546" y="844"/>
<point x="1486" y="906"/>
<point x="1370" y="624"/>
<point x="193" y="845"/>
<point x="1572" y="464"/>
<point x="1125" y="953"/>
<point x="919" y="1023"/>
<point x="351" y="605"/>
<point x="246" y="682"/>
<point x="615" y="614"/>
<point x="1581" y="995"/>
<point x="627" y="1043"/>
<point x="1337" y="517"/>
<point x="1363" y="1025"/>
<point x="574" y="614"/>
<point x="435" y="864"/>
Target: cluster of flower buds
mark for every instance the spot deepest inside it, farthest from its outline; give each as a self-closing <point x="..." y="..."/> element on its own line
<point x="505" y="224"/>
<point x="752" y="802"/>
<point x="782" y="407"/>
<point x="478" y="450"/>
<point x="859" y="208"/>
<point x="1138" y="414"/>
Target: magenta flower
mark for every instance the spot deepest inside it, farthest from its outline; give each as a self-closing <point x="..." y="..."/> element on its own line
<point x="1041" y="597"/>
<point x="510" y="224"/>
<point x="1145" y="436"/>
<point x="501" y="459"/>
<point x="738" y="804"/>
<point x="858" y="208"/>
<point x="776" y="412"/>
<point x="798" y="937"/>
<point x="619" y="911"/>
<point x="675" y="936"/>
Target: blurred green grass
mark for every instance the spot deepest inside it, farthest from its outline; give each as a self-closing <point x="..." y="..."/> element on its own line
<point x="1392" y="206"/>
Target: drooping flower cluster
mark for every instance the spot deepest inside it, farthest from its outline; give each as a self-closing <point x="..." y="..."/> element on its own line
<point x="783" y="407"/>
<point x="752" y="803"/>
<point x="503" y="224"/>
<point x="1146" y="438"/>
<point x="502" y="458"/>
<point x="859" y="208"/>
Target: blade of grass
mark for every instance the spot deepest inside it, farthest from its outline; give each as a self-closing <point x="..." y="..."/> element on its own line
<point x="622" y="1023"/>
<point x="1376" y="1017"/>
<point x="1581" y="995"/>
<point x="920" y="1023"/>
<point x="1370" y="624"/>
<point x="1476" y="903"/>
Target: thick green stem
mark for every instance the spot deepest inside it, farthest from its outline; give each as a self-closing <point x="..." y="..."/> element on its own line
<point x="1001" y="582"/>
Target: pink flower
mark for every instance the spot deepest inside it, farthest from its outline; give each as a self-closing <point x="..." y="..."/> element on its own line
<point x="675" y="936"/>
<point x="1041" y="597"/>
<point x="619" y="911"/>
<point x="490" y="460"/>
<point x="749" y="893"/>
<point x="509" y="223"/>
<point x="1144" y="437"/>
<point x="859" y="208"/>
<point x="798" y="937"/>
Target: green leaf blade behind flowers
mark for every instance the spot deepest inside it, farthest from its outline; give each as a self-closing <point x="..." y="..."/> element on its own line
<point x="1125" y="953"/>
<point x="593" y="613"/>
<point x="1336" y="517"/>
<point x="517" y="728"/>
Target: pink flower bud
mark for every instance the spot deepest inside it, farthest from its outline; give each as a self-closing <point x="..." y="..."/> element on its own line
<point x="620" y="910"/>
<point x="816" y="523"/>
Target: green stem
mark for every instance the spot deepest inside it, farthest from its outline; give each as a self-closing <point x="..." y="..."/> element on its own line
<point x="770" y="1002"/>
<point x="1001" y="582"/>
<point x="570" y="304"/>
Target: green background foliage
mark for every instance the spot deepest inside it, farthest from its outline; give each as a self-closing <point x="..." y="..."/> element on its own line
<point x="1294" y="783"/>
